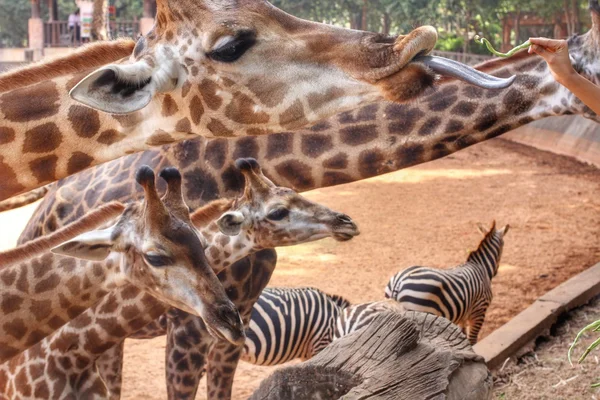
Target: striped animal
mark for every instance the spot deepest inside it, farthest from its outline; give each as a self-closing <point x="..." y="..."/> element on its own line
<point x="353" y="318"/>
<point x="461" y="294"/>
<point x="289" y="323"/>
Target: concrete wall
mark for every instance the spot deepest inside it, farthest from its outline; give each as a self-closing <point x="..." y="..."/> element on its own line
<point x="573" y="136"/>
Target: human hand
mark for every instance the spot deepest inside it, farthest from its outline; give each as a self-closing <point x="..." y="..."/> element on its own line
<point x="556" y="54"/>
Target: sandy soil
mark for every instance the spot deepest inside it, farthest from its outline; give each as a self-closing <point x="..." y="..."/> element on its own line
<point x="427" y="215"/>
<point x="545" y="373"/>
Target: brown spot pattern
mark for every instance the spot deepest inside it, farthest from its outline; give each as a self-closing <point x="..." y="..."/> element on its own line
<point x="42" y="139"/>
<point x="317" y="100"/>
<point x="183" y="125"/>
<point x="357" y="135"/>
<point x="269" y="92"/>
<point x="7" y="135"/>
<point x="208" y="89"/>
<point x="84" y="121"/>
<point x="313" y="145"/>
<point x="279" y="145"/>
<point x="294" y="116"/>
<point x="339" y="161"/>
<point x="10" y="303"/>
<point x="110" y="136"/>
<point x="44" y="168"/>
<point x="78" y="161"/>
<point x="169" y="107"/>
<point x="241" y="110"/>
<point x="297" y="174"/>
<point x="196" y="109"/>
<point x="31" y="103"/>
<point x="218" y="129"/>
<point x="159" y="138"/>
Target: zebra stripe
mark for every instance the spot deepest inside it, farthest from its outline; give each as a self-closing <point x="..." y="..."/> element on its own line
<point x="461" y="294"/>
<point x="289" y="323"/>
<point x="358" y="316"/>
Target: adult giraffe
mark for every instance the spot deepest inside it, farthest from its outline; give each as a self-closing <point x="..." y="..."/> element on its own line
<point x="373" y="140"/>
<point x="212" y="68"/>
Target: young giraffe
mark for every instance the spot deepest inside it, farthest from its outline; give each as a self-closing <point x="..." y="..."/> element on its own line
<point x="214" y="68"/>
<point x="152" y="245"/>
<point x="373" y="140"/>
<point x="265" y="216"/>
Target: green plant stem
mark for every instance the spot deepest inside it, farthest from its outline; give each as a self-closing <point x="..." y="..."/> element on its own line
<point x="489" y="46"/>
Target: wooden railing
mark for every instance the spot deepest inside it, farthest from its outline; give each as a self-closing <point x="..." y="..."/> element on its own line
<point x="466" y="58"/>
<point x="57" y="34"/>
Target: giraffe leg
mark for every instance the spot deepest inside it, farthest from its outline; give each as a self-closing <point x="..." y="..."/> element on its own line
<point x="110" y="368"/>
<point x="188" y="343"/>
<point x="222" y="362"/>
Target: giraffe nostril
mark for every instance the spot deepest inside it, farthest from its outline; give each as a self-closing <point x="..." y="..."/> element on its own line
<point x="343" y="218"/>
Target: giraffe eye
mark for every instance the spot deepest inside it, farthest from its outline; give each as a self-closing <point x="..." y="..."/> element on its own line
<point x="236" y="48"/>
<point x="278" y="214"/>
<point x="157" y="260"/>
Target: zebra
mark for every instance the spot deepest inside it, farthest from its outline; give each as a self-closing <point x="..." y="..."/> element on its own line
<point x="289" y="323"/>
<point x="461" y="294"/>
<point x="356" y="317"/>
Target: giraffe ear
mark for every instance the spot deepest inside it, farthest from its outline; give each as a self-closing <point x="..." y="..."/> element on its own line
<point x="123" y="88"/>
<point x="231" y="223"/>
<point x="93" y="245"/>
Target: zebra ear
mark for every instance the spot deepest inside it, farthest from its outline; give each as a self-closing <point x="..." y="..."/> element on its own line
<point x="482" y="229"/>
<point x="504" y="230"/>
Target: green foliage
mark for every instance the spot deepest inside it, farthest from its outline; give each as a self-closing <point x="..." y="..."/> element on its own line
<point x="594" y="327"/>
<point x="14" y="15"/>
<point x="456" y="20"/>
<point x="450" y="42"/>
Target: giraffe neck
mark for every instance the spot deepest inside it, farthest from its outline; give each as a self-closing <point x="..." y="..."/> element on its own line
<point x="223" y="250"/>
<point x="370" y="141"/>
<point x="72" y="351"/>
<point x="41" y="295"/>
<point x="378" y="138"/>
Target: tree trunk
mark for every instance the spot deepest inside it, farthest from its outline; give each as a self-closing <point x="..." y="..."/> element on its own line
<point x="568" y="18"/>
<point x="576" y="21"/>
<point x="365" y="15"/>
<point x="99" y="20"/>
<point x="517" y="27"/>
<point x="398" y="356"/>
<point x="385" y="24"/>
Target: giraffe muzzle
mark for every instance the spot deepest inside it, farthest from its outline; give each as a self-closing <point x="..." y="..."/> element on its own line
<point x="454" y="69"/>
<point x="344" y="228"/>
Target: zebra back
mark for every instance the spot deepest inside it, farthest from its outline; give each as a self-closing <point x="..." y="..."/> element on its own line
<point x="289" y="323"/>
<point x="358" y="316"/>
<point x="453" y="293"/>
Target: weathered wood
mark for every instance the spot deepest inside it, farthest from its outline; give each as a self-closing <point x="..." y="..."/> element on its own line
<point x="398" y="356"/>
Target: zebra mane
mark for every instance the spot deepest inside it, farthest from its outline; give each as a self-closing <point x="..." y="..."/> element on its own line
<point x="488" y="236"/>
<point x="340" y="301"/>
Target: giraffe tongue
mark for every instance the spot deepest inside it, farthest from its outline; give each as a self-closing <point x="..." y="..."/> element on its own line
<point x="454" y="69"/>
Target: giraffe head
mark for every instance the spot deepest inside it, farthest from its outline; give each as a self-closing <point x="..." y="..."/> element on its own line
<point x="162" y="253"/>
<point x="268" y="216"/>
<point x="215" y="67"/>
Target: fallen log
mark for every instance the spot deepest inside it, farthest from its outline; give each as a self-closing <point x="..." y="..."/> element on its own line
<point x="407" y="355"/>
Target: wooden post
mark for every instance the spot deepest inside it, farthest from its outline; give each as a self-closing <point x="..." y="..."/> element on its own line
<point x="147" y="21"/>
<point x="36" y="31"/>
<point x="397" y="356"/>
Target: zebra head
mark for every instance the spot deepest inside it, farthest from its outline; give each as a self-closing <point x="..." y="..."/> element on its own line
<point x="272" y="216"/>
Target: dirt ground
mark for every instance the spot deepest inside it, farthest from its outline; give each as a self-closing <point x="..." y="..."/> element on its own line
<point x="427" y="215"/>
<point x="545" y="373"/>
